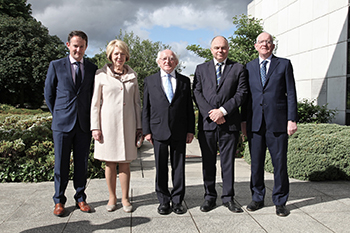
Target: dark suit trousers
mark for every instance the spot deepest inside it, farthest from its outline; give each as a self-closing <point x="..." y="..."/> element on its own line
<point x="177" y="161"/>
<point x="63" y="144"/>
<point x="277" y="144"/>
<point x="227" y="142"/>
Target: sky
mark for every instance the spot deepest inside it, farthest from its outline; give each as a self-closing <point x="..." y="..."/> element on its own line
<point x="175" y="23"/>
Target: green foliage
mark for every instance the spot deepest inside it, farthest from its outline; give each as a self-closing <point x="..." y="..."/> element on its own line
<point x="308" y="112"/>
<point x="27" y="150"/>
<point x="17" y="8"/>
<point x="143" y="54"/>
<point x="26" y="48"/>
<point x="241" y="42"/>
<point x="316" y="152"/>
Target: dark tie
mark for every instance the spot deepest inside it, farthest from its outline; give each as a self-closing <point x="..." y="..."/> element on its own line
<point x="218" y="72"/>
<point x="263" y="72"/>
<point x="77" y="75"/>
<point x="169" y="88"/>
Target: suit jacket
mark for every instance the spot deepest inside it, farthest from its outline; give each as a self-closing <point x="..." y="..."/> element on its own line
<point x="163" y="119"/>
<point x="230" y="94"/>
<point x="276" y="102"/>
<point x="65" y="102"/>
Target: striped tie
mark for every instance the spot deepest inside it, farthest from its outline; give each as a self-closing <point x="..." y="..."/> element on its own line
<point x="218" y="72"/>
<point x="263" y="72"/>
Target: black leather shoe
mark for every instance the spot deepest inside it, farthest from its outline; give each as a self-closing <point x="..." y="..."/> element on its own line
<point x="164" y="209"/>
<point x="255" y="205"/>
<point x="178" y="208"/>
<point x="208" y="206"/>
<point x="282" y="211"/>
<point x="231" y="205"/>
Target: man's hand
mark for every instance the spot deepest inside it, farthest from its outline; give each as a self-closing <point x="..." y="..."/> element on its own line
<point x="189" y="137"/>
<point x="97" y="135"/>
<point x="148" y="137"/>
<point x="217" y="116"/>
<point x="292" y="128"/>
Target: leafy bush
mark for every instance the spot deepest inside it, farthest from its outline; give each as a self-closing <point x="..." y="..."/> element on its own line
<point x="27" y="151"/>
<point x="316" y="152"/>
<point x="308" y="112"/>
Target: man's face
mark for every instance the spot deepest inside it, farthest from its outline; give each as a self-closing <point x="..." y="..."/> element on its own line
<point x="77" y="47"/>
<point x="264" y="45"/>
<point x="167" y="61"/>
<point x="219" y="49"/>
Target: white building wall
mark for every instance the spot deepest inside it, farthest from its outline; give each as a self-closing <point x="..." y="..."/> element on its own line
<point x="313" y="35"/>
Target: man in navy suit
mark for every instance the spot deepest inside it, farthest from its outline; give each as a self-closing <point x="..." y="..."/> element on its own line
<point x="168" y="121"/>
<point x="219" y="89"/>
<point x="68" y="93"/>
<point x="271" y="115"/>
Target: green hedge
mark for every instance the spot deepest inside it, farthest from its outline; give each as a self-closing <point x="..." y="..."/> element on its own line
<point x="27" y="152"/>
<point x="316" y="152"/>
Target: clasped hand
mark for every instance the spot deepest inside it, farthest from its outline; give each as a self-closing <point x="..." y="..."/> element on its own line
<point x="217" y="116"/>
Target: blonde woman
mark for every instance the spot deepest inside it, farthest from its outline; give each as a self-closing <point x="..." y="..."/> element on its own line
<point x="116" y="120"/>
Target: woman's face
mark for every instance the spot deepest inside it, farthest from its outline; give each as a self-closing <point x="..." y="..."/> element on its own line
<point x="118" y="57"/>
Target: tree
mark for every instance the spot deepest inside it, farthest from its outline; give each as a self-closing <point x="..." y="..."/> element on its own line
<point x="26" y="48"/>
<point x="143" y="54"/>
<point x="241" y="42"/>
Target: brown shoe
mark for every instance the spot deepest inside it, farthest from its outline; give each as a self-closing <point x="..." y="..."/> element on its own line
<point x="59" y="210"/>
<point x="83" y="206"/>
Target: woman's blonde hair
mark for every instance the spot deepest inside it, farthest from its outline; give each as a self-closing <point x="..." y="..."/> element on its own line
<point x="120" y="44"/>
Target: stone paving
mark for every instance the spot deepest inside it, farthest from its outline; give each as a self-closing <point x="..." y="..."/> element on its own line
<point x="314" y="206"/>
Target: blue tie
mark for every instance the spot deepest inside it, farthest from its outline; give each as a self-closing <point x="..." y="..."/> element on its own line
<point x="263" y="72"/>
<point x="218" y="72"/>
<point x="169" y="88"/>
<point x="77" y="75"/>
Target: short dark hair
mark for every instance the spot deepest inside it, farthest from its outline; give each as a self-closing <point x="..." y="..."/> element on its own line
<point x="78" y="33"/>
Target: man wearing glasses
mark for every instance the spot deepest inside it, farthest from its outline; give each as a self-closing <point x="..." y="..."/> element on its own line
<point x="271" y="115"/>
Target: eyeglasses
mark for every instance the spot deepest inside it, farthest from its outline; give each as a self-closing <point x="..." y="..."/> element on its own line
<point x="265" y="41"/>
<point x="167" y="58"/>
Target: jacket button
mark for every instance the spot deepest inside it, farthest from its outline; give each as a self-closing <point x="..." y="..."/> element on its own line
<point x="124" y="104"/>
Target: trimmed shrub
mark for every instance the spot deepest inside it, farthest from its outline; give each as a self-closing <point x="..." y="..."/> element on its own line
<point x="308" y="112"/>
<point x="27" y="151"/>
<point x="316" y="152"/>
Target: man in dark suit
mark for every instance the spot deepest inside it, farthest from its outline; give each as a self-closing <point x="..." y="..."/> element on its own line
<point x="219" y="89"/>
<point x="271" y="115"/>
<point x="68" y="93"/>
<point x="168" y="121"/>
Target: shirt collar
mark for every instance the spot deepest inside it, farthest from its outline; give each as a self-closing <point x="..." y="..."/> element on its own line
<point x="216" y="61"/>
<point x="163" y="73"/>
<point x="267" y="59"/>
<point x="72" y="60"/>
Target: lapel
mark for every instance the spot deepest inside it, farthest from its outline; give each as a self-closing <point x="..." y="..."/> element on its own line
<point x="211" y="74"/>
<point x="273" y="65"/>
<point x="68" y="69"/>
<point x="178" y="86"/>
<point x="228" y="67"/>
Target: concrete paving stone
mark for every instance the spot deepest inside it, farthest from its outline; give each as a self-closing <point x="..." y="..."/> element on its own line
<point x="321" y="204"/>
<point x="43" y="226"/>
<point x="164" y="224"/>
<point x="295" y="222"/>
<point x="336" y="221"/>
<point x="229" y="223"/>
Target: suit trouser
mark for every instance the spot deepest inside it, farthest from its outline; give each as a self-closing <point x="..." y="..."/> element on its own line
<point x="63" y="144"/>
<point x="177" y="161"/>
<point x="209" y="142"/>
<point x="277" y="143"/>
